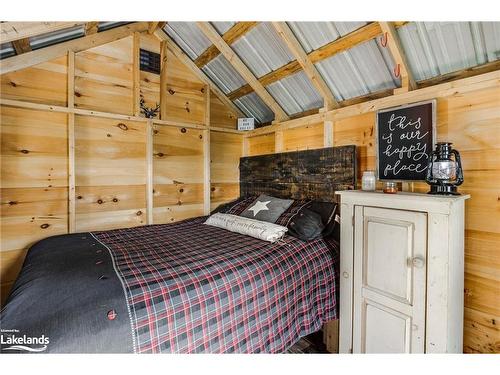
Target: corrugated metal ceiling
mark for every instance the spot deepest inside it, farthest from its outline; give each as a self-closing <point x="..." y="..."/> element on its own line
<point x="295" y="94"/>
<point x="364" y="69"/>
<point x="436" y="48"/>
<point x="189" y="37"/>
<point x="110" y="25"/>
<point x="223" y="27"/>
<point x="223" y="74"/>
<point x="55" y="37"/>
<point x="313" y="35"/>
<point x="254" y="107"/>
<point x="6" y="50"/>
<point x="262" y="49"/>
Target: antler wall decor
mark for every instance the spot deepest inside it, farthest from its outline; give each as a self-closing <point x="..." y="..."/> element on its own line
<point x="149" y="112"/>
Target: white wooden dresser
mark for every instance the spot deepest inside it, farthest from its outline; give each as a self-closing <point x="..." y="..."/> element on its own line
<point x="401" y="273"/>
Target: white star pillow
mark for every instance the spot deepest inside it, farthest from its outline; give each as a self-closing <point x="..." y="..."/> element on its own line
<point x="266" y="208"/>
<point x="259" y="206"/>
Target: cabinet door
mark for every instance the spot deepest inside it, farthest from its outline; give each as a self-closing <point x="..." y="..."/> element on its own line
<point x="389" y="280"/>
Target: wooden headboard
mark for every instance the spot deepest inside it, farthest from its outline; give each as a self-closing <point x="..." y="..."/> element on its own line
<point x="311" y="174"/>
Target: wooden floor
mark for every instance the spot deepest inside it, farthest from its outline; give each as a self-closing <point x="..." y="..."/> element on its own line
<point x="311" y="344"/>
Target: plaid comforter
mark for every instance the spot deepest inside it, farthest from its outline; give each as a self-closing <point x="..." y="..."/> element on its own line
<point x="194" y="288"/>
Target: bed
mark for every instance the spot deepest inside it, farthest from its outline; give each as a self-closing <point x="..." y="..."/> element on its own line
<point x="185" y="287"/>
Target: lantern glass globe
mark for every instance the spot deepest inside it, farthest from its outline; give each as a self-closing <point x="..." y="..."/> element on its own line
<point x="445" y="170"/>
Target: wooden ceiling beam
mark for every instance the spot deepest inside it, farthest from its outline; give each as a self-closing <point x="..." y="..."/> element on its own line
<point x="348" y="41"/>
<point x="341" y="44"/>
<point x="38" y="56"/>
<point x="242" y="69"/>
<point x="398" y="54"/>
<point x="230" y="36"/>
<point x="156" y="25"/>
<point x="10" y="31"/>
<point x="91" y="28"/>
<point x="306" y="64"/>
<point x="271" y="77"/>
<point x="186" y="60"/>
<point x="22" y="45"/>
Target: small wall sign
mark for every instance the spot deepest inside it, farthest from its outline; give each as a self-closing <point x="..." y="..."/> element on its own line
<point x="246" y="123"/>
<point x="405" y="138"/>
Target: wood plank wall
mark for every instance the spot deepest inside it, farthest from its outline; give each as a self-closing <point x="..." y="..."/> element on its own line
<point x="472" y="122"/>
<point x="110" y="147"/>
<point x="111" y="159"/>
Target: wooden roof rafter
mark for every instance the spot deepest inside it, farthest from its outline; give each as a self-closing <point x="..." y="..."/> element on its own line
<point x="243" y="70"/>
<point x="306" y="64"/>
<point x="232" y="35"/>
<point x="186" y="60"/>
<point x="399" y="56"/>
<point x="41" y="55"/>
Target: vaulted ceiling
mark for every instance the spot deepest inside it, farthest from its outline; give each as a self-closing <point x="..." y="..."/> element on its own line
<point x="281" y="70"/>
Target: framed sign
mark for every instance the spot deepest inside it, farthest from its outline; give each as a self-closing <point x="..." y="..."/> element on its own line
<point x="246" y="123"/>
<point x="405" y="137"/>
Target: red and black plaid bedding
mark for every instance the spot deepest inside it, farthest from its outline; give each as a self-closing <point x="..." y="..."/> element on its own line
<point x="195" y="288"/>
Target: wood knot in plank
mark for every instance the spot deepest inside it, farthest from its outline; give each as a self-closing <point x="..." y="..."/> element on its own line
<point x="77" y="94"/>
<point x="79" y="197"/>
<point x="212" y="189"/>
<point x="181" y="190"/>
<point x="13" y="84"/>
<point x="12" y="203"/>
<point x="171" y="92"/>
<point x="100" y="201"/>
<point x="160" y="154"/>
<point x="44" y="226"/>
<point x="115" y="200"/>
<point x="25" y="151"/>
<point x="201" y="136"/>
<point x="183" y="130"/>
<point x="138" y="213"/>
<point x="187" y="107"/>
<point x="122" y="126"/>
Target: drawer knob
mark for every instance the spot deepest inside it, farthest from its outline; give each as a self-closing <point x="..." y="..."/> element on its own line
<point x="417" y="262"/>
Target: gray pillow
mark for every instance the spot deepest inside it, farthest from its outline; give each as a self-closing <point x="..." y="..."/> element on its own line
<point x="266" y="208"/>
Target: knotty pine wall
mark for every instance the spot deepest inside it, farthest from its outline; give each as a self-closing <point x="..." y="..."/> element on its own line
<point x="110" y="147"/>
<point x="472" y="122"/>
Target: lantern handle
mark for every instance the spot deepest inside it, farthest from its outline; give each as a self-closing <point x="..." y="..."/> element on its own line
<point x="460" y="173"/>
